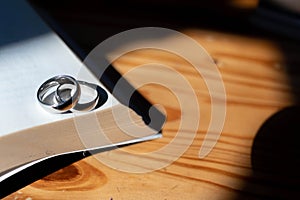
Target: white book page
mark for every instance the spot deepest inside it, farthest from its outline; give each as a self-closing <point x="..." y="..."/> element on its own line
<point x="30" y="53"/>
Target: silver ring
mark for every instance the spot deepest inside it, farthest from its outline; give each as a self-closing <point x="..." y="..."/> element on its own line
<point x="47" y="94"/>
<point x="89" y="95"/>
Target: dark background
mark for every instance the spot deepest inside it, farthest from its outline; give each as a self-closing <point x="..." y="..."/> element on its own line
<point x="87" y="23"/>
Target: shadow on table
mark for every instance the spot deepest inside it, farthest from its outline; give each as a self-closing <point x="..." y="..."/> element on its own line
<point x="275" y="158"/>
<point x="275" y="153"/>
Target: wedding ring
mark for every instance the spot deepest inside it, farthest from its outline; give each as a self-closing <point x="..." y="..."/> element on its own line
<point x="90" y="94"/>
<point x="47" y="94"/>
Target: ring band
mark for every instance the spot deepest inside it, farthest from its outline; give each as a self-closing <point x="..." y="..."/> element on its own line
<point x="87" y="90"/>
<point x="49" y="101"/>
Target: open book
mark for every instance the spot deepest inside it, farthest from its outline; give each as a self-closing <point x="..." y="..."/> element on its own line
<point x="30" y="53"/>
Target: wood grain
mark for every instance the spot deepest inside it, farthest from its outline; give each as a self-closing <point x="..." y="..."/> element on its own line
<point x="257" y="86"/>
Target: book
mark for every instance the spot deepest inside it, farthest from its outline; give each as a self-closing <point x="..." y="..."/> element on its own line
<point x="30" y="53"/>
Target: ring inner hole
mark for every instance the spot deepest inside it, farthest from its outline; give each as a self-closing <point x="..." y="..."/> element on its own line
<point x="66" y="91"/>
<point x="88" y="94"/>
<point x="49" y="95"/>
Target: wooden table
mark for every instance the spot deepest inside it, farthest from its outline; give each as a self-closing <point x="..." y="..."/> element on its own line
<point x="256" y="156"/>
